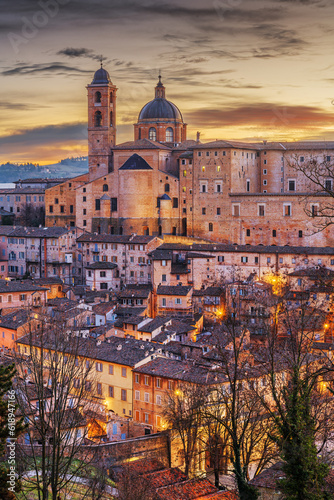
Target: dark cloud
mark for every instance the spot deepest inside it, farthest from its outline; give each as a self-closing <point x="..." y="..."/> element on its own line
<point x="51" y="134"/>
<point x="81" y="52"/>
<point x="20" y="106"/>
<point x="263" y="115"/>
<point x="27" y="69"/>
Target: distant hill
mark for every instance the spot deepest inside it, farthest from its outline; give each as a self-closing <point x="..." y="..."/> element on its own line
<point x="69" y="167"/>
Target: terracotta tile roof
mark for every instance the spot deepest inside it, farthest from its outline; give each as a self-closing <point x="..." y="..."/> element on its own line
<point x="165" y="477"/>
<point x="114" y="238"/>
<point x="19" y="286"/>
<point x="155" y="324"/>
<point x="227" y="144"/>
<point x="141" y="144"/>
<point x="166" y="249"/>
<point x="220" y="495"/>
<point x="145" y="465"/>
<point x="101" y="265"/>
<point x="269" y="477"/>
<point x="15" y="319"/>
<point x="36" y="232"/>
<point x="136" y="293"/>
<point x="179" y="370"/>
<point x="103" y="307"/>
<point x="124" y="351"/>
<point x="314" y="273"/>
<point x="187" y="490"/>
<point x="173" y="290"/>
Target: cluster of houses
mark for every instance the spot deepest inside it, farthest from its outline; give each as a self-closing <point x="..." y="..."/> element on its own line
<point x="148" y="310"/>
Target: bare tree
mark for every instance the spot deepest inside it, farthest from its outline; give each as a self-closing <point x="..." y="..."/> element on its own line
<point x="299" y="405"/>
<point x="183" y="411"/>
<point x="318" y="172"/>
<point x="54" y="396"/>
<point x="240" y="413"/>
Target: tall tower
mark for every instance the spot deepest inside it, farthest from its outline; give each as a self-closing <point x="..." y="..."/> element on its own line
<point x="101" y="124"/>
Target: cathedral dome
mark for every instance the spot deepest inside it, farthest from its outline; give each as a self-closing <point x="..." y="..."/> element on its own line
<point x="101" y="77"/>
<point x="160" y="108"/>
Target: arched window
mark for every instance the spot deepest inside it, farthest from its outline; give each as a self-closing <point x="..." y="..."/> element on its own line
<point x="167" y="188"/>
<point x="169" y="135"/>
<point x="97" y="96"/>
<point x="98" y="119"/>
<point x="111" y="118"/>
<point x="152" y="134"/>
<point x="105" y="187"/>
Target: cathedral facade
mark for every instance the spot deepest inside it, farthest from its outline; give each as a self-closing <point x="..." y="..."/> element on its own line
<point x="163" y="183"/>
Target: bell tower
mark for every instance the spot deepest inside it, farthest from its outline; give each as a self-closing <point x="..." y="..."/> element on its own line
<point x="101" y="124"/>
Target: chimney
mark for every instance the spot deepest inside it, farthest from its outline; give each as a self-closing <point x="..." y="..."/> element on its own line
<point x="198" y="135"/>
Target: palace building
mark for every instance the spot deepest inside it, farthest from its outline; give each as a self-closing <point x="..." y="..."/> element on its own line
<point x="162" y="183"/>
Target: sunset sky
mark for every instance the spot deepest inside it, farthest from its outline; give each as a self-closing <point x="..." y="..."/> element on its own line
<point x="237" y="69"/>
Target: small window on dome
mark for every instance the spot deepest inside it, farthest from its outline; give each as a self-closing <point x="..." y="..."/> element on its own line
<point x="97" y="96"/>
<point x="152" y="134"/>
<point x="169" y="135"/>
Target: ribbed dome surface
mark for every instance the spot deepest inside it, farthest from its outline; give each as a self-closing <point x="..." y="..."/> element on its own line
<point x="160" y="108"/>
<point x="101" y="76"/>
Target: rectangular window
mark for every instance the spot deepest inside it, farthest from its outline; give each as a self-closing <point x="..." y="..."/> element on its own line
<point x="203" y="211"/>
<point x="218" y="211"/>
<point x="99" y="389"/>
<point x="247" y="186"/>
<point x="98" y="204"/>
<point x="274" y="233"/>
<point x="220" y="258"/>
<point x="236" y="210"/>
<point x="146" y="397"/>
<point x="158" y="399"/>
<point x="146" y="380"/>
<point x="268" y="260"/>
<point x="286" y="210"/>
<point x="265" y="182"/>
<point x="99" y="367"/>
<point x="114" y="204"/>
<point x="175" y="203"/>
<point x="300" y="234"/>
<point x="111" y="391"/>
<point x="123" y="372"/>
<point x="244" y="259"/>
<point x="164" y="302"/>
<point x="256" y="260"/>
<point x="158" y="382"/>
<point x="261" y="210"/>
<point x="123" y="394"/>
<point x="111" y="369"/>
<point x="264" y="171"/>
<point x="178" y="301"/>
<point x="137" y="395"/>
<point x="314" y="210"/>
<point x="247" y="232"/>
<point x="51" y="209"/>
<point x="292" y="185"/>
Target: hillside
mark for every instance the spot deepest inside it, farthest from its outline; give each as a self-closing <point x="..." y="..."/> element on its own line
<point x="68" y="167"/>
